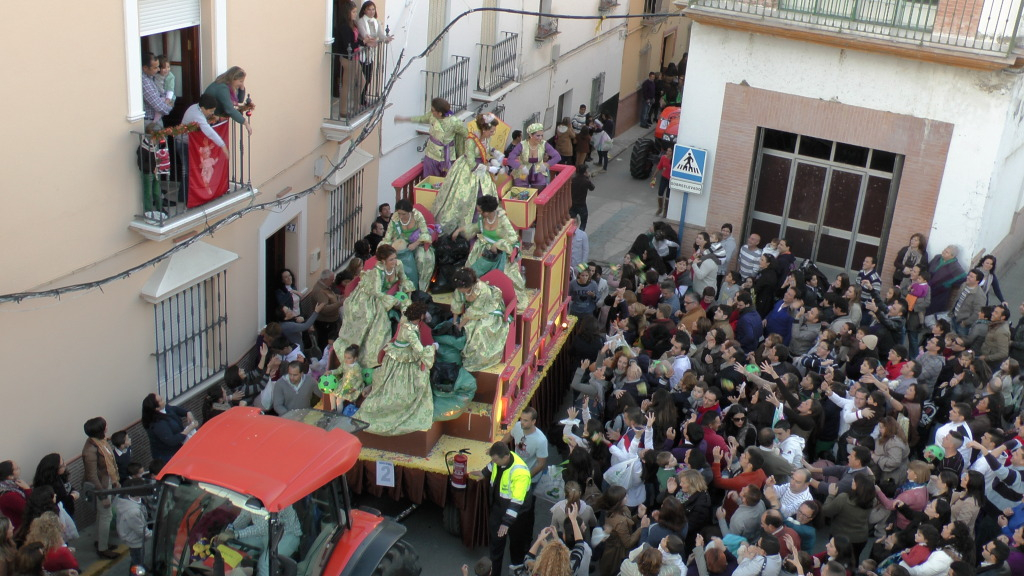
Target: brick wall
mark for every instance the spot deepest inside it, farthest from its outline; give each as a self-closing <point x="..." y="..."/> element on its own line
<point x="924" y="144"/>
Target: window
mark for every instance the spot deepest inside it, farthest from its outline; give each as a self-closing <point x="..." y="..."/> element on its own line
<point x="596" y="93"/>
<point x="174" y="27"/>
<point x="532" y="119"/>
<point x="191" y="336"/>
<point x="344" y="220"/>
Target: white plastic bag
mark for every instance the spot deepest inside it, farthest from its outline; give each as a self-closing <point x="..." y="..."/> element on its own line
<point x="622" y="474"/>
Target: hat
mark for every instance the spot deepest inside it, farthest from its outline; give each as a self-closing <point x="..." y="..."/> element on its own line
<point x="582" y="267"/>
<point x="870" y="341"/>
<point x="535" y="127"/>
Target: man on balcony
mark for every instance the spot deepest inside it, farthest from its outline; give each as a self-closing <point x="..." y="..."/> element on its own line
<point x="197" y="114"/>
<point x="154" y="105"/>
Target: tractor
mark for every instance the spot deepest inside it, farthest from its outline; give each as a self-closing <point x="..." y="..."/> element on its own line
<point x="266" y="495"/>
<point x="646" y="151"/>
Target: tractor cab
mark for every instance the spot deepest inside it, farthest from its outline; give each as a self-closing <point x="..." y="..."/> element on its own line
<point x="258" y="495"/>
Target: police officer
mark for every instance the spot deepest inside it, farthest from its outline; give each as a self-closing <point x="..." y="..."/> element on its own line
<point x="509" y="491"/>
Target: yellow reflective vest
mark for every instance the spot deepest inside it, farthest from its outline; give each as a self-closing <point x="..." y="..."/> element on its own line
<point x="513" y="486"/>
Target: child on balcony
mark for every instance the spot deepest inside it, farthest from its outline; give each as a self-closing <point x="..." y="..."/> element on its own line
<point x="165" y="79"/>
<point x="146" y="158"/>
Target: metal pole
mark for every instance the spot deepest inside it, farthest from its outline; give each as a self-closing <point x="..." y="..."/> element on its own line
<point x="682" y="219"/>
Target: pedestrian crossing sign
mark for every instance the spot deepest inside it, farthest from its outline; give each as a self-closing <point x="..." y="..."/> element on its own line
<point x="688" y="169"/>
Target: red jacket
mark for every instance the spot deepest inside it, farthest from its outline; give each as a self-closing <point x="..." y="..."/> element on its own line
<point x="755" y="477"/>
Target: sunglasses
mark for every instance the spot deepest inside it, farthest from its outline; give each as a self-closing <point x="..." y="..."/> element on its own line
<point x="739" y="419"/>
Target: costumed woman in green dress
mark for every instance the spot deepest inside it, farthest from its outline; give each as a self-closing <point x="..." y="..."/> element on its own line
<point x="471" y="176"/>
<point x="400" y="399"/>
<point x="380" y="289"/>
<point x="445" y="140"/>
<point x="496" y="246"/>
<point x="408" y="234"/>
<point x="480" y="311"/>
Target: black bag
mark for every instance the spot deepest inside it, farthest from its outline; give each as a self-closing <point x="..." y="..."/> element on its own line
<point x="451" y="252"/>
<point x="441" y="283"/>
<point x="490" y="256"/>
<point x="443" y="376"/>
<point x="421" y="296"/>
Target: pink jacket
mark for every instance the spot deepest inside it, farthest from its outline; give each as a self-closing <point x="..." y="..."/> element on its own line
<point x="915" y="498"/>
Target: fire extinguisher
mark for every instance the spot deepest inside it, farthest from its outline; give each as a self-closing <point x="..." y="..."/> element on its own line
<point x="458" y="469"/>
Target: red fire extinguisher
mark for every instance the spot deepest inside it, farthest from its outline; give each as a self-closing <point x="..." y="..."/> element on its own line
<point x="458" y="469"/>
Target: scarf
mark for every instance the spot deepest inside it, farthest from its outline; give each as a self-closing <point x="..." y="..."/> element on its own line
<point x="108" y="458"/>
<point x="9" y="486"/>
<point x="908" y="485"/>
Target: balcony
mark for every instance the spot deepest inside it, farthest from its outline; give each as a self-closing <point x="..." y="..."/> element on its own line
<point x="172" y="216"/>
<point x="357" y="84"/>
<point x="981" y="34"/>
<point x="654" y="12"/>
<point x="452" y="84"/>
<point x="497" y="65"/>
<point x="546" y="28"/>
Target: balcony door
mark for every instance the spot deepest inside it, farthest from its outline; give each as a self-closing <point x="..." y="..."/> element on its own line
<point x="181" y="46"/>
<point x="831" y="201"/>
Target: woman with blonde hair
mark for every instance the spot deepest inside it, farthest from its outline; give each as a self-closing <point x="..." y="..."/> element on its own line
<point x="229" y="90"/>
<point x="7" y="547"/>
<point x="692" y="488"/>
<point x="553" y="559"/>
<point x="48" y="530"/>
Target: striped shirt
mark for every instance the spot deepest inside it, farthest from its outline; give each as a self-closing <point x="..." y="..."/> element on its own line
<point x="750" y="261"/>
<point x="789" y="502"/>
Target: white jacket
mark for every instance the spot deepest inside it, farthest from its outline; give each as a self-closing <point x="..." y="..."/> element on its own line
<point x="792" y="449"/>
<point x="937" y="564"/>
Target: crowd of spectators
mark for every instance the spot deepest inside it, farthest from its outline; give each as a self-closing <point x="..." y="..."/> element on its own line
<point x="737" y="411"/>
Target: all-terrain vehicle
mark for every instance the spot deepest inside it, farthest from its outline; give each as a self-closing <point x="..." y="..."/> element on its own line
<point x="646" y="151"/>
<point x="267" y="496"/>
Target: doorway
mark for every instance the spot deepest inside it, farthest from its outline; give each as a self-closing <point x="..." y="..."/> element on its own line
<point x="831" y="201"/>
<point x="668" y="47"/>
<point x="276" y="246"/>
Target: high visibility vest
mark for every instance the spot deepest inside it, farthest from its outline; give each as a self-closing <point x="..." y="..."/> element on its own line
<point x="515" y="481"/>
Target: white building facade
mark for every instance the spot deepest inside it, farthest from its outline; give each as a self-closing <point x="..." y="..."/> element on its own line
<point x="847" y="141"/>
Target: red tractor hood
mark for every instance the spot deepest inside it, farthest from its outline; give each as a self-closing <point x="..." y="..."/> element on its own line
<point x="276" y="460"/>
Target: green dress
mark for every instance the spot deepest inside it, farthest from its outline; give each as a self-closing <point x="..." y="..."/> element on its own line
<point x="469" y="178"/>
<point x="366" y="312"/>
<point x="418" y="263"/>
<point x="506" y="240"/>
<point x="443" y="143"/>
<point x="485" y="324"/>
<point x="401" y="401"/>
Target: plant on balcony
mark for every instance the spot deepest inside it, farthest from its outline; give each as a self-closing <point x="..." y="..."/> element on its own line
<point x="546" y="29"/>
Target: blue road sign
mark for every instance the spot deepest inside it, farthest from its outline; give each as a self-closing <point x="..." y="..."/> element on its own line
<point x="688" y="169"/>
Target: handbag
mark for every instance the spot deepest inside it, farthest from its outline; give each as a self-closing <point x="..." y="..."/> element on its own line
<point x="591" y="493"/>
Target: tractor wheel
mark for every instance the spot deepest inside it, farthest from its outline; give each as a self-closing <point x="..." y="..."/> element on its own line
<point x="401" y="560"/>
<point x="452" y="519"/>
<point x="641" y="160"/>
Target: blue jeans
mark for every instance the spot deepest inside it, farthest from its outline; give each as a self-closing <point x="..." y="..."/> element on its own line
<point x="645" y="114"/>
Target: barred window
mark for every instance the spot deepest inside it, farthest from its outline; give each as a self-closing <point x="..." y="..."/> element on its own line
<point x="344" y="220"/>
<point x="191" y="336"/>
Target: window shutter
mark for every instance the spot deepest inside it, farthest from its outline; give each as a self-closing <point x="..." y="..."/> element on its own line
<point x="157" y="16"/>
